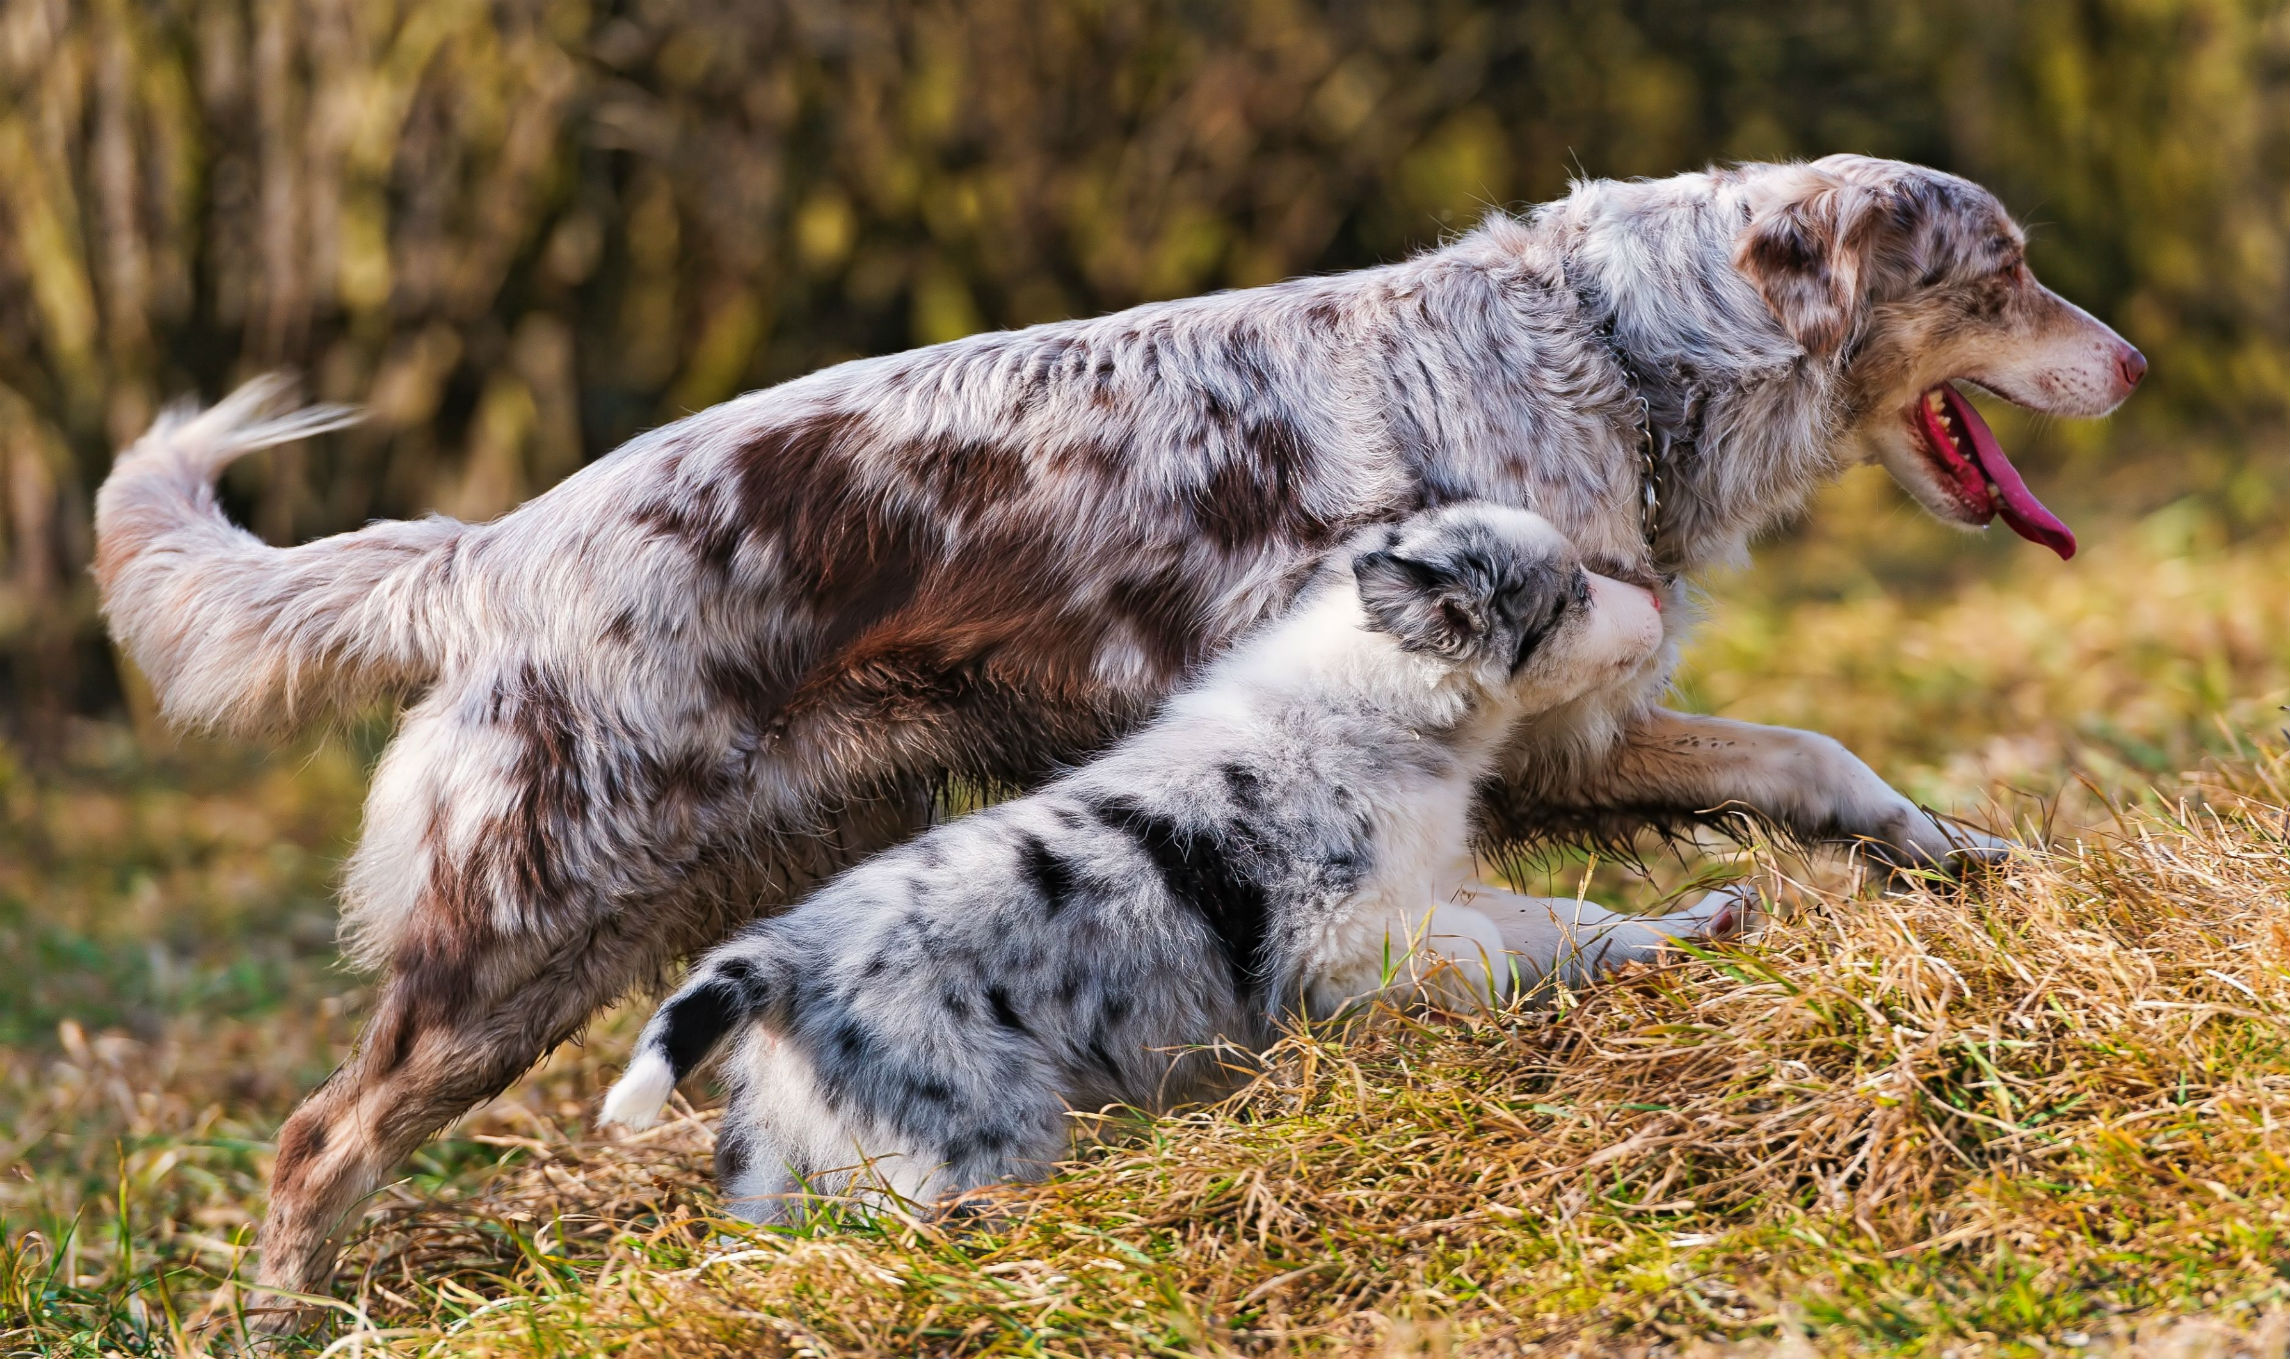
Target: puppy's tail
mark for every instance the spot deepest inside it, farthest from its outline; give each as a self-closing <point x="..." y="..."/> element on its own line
<point x="732" y="986"/>
<point x="232" y="632"/>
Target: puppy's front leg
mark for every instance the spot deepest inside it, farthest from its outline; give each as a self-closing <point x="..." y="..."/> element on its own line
<point x="1674" y="767"/>
<point x="1553" y="939"/>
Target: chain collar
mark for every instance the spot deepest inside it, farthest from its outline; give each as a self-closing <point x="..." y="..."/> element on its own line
<point x="1656" y="442"/>
<point x="1649" y="475"/>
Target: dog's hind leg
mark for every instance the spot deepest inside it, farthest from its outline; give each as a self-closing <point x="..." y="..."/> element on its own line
<point x="454" y="1025"/>
<point x="466" y="1008"/>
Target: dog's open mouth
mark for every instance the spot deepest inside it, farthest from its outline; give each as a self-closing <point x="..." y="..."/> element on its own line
<point x="1975" y="470"/>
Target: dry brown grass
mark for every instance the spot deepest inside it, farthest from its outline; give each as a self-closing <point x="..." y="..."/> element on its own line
<point x="2045" y="1115"/>
<point x="2051" y="1112"/>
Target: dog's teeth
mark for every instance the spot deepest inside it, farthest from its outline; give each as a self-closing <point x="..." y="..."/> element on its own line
<point x="1934" y="403"/>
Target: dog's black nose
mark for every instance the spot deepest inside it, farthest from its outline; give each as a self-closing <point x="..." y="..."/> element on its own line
<point x="2132" y="365"/>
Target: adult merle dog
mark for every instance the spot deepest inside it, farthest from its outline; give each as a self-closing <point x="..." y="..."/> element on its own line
<point x="741" y="650"/>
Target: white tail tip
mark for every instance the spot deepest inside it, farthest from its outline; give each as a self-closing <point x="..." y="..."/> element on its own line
<point x="636" y="1099"/>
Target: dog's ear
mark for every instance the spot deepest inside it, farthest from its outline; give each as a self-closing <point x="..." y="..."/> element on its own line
<point x="1807" y="250"/>
<point x="1426" y="605"/>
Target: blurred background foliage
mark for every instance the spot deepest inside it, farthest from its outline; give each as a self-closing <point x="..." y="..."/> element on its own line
<point x="522" y="230"/>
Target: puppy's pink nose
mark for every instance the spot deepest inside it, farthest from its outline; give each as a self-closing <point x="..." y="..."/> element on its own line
<point x="1600" y="585"/>
<point x="2131" y="365"/>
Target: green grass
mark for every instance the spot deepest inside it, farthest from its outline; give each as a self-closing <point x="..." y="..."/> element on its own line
<point x="2047" y="1115"/>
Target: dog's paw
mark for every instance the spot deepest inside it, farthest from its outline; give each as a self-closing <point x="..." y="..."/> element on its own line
<point x="1919" y="846"/>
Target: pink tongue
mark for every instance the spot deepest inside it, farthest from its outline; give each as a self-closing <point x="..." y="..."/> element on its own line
<point x="2020" y="509"/>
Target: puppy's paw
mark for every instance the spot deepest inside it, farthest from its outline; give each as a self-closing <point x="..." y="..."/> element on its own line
<point x="1735" y="912"/>
<point x="1727" y="913"/>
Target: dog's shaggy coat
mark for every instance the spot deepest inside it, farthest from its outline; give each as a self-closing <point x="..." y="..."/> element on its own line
<point x="1280" y="837"/>
<point x="739" y="651"/>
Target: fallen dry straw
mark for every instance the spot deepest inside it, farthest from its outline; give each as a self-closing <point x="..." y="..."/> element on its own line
<point x="2049" y="1110"/>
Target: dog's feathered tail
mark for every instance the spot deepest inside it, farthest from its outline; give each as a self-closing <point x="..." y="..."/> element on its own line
<point x="734" y="985"/>
<point x="232" y="632"/>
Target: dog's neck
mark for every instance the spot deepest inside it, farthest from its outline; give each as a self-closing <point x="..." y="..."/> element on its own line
<point x="1665" y="427"/>
<point x="1730" y="422"/>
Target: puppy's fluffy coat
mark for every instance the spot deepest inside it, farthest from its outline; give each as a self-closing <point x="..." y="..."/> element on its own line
<point x="1273" y="840"/>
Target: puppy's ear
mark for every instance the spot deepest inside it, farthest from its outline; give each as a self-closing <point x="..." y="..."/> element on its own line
<point x="1427" y="607"/>
<point x="1807" y="251"/>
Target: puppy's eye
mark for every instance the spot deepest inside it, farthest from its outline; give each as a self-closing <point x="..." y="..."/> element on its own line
<point x="1574" y="595"/>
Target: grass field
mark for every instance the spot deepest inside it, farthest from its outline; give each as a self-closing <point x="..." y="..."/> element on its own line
<point x="2045" y="1115"/>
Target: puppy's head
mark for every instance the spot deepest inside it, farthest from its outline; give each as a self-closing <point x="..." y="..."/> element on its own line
<point x="1500" y="594"/>
<point x="1913" y="282"/>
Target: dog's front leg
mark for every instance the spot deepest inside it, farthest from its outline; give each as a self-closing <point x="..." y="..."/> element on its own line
<point x="1673" y="768"/>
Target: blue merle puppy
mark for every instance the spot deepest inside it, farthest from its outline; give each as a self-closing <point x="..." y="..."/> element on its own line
<point x="1289" y="834"/>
